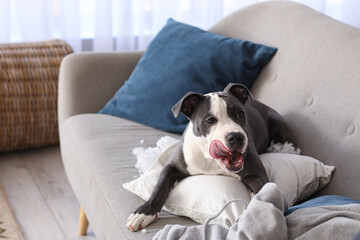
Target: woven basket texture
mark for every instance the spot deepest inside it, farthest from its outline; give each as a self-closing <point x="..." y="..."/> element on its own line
<point x="28" y="93"/>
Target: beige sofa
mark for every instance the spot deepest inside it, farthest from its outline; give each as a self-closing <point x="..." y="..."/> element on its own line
<point x="313" y="81"/>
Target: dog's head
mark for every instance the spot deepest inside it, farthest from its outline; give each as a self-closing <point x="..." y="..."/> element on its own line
<point x="219" y="120"/>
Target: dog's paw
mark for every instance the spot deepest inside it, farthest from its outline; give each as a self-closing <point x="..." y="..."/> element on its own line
<point x="138" y="221"/>
<point x="251" y="194"/>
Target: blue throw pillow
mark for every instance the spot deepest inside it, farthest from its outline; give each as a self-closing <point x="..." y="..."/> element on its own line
<point x="180" y="59"/>
<point x="322" y="201"/>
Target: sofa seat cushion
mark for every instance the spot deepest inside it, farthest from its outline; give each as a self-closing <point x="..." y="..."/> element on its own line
<point x="101" y="162"/>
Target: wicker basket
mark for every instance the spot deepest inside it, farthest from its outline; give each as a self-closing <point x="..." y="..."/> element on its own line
<point x="28" y="93"/>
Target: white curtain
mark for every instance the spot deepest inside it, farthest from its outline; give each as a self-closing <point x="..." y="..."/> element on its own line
<point x="108" y="25"/>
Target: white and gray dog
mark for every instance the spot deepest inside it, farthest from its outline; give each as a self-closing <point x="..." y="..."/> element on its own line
<point x="226" y="133"/>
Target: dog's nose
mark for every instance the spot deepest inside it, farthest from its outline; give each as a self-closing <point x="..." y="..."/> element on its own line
<point x="235" y="140"/>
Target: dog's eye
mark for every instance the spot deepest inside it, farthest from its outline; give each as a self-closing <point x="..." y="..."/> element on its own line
<point x="241" y="114"/>
<point x="211" y="120"/>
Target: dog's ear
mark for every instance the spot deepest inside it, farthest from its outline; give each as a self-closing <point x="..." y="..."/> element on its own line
<point x="239" y="91"/>
<point x="188" y="104"/>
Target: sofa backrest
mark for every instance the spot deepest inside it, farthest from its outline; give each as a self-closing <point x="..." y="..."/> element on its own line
<point x="313" y="81"/>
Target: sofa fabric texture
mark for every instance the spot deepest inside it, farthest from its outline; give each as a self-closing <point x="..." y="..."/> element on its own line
<point x="313" y="81"/>
<point x="183" y="59"/>
<point x="102" y="146"/>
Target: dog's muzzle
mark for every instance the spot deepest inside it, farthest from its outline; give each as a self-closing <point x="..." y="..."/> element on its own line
<point x="231" y="161"/>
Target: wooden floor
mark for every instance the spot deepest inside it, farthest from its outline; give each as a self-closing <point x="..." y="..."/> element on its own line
<point x="40" y="194"/>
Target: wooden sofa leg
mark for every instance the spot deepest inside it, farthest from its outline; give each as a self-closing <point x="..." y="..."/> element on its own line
<point x="83" y="223"/>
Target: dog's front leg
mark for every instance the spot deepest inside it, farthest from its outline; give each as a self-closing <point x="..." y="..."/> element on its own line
<point x="150" y="210"/>
<point x="254" y="176"/>
<point x="254" y="183"/>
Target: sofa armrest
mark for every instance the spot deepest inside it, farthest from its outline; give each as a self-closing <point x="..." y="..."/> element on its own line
<point x="88" y="80"/>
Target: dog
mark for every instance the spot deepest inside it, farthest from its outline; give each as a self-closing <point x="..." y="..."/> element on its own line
<point x="226" y="133"/>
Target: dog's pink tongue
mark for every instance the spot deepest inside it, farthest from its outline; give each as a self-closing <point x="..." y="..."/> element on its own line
<point x="218" y="150"/>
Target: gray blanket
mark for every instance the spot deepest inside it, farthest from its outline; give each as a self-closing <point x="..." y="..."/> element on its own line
<point x="264" y="219"/>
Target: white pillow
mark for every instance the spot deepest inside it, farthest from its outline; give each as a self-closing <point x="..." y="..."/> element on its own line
<point x="202" y="196"/>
